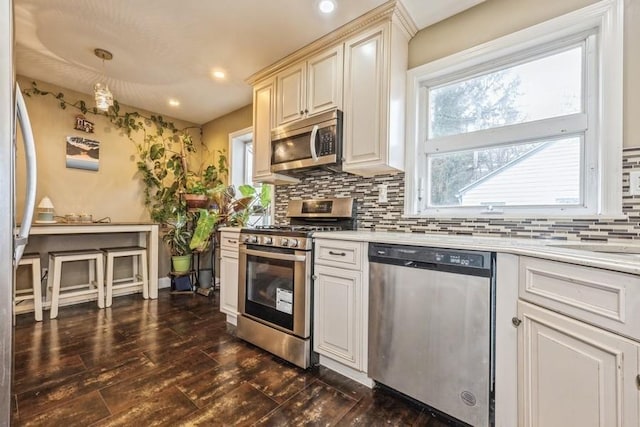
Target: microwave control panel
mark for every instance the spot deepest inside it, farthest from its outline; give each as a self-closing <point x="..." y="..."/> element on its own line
<point x="326" y="142"/>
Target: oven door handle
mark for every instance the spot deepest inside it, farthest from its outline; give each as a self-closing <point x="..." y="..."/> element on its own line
<point x="272" y="255"/>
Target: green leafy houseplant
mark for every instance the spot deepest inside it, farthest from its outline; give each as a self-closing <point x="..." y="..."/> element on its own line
<point x="177" y="237"/>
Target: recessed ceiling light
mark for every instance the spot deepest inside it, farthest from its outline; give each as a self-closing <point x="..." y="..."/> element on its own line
<point x="218" y="74"/>
<point x="174" y="102"/>
<point x="326" y="6"/>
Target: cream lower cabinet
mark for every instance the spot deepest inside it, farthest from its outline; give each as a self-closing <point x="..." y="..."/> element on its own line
<point x="229" y="243"/>
<point x="574" y="374"/>
<point x="340" y="316"/>
<point x="337" y="330"/>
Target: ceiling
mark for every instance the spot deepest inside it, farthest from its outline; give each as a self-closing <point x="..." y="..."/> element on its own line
<point x="168" y="49"/>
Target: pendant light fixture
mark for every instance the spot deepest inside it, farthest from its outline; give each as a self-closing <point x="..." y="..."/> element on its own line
<point x="103" y="96"/>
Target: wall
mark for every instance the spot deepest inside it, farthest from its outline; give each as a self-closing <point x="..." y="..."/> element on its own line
<point x="215" y="134"/>
<point x="389" y="216"/>
<point x="114" y="191"/>
<point x="487" y="21"/>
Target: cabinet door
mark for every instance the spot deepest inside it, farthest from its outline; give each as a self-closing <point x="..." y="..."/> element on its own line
<point x="229" y="283"/>
<point x="324" y="81"/>
<point x="337" y="326"/>
<point x="572" y="374"/>
<point x="263" y="96"/>
<point x="365" y="98"/>
<point x="290" y="98"/>
<point x="263" y="113"/>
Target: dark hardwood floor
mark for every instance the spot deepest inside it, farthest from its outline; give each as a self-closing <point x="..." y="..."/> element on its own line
<point x="175" y="361"/>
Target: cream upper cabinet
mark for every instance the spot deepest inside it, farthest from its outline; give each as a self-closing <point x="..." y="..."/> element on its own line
<point x="360" y="69"/>
<point x="324" y="78"/>
<point x="573" y="374"/>
<point x="263" y="113"/>
<point x="374" y="99"/>
<point x="310" y="87"/>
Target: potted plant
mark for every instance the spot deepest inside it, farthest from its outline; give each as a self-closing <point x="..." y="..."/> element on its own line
<point x="198" y="186"/>
<point x="178" y="237"/>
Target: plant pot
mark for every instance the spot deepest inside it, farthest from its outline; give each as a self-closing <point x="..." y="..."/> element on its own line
<point x="205" y="278"/>
<point x="196" y="201"/>
<point x="181" y="263"/>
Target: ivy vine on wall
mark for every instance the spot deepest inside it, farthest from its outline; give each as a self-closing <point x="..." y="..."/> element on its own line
<point x="164" y="171"/>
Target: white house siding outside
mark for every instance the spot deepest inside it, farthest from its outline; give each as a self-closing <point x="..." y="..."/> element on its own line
<point x="549" y="176"/>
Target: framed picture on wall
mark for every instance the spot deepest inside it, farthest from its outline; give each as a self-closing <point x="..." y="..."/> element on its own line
<point x="83" y="153"/>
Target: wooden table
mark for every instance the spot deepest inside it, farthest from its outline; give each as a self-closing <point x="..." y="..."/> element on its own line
<point x="147" y="237"/>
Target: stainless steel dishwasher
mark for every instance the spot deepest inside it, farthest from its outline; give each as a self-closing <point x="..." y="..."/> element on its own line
<point x="431" y="327"/>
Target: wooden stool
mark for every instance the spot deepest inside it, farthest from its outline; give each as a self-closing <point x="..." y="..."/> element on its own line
<point x="35" y="293"/>
<point x="140" y="271"/>
<point x="96" y="277"/>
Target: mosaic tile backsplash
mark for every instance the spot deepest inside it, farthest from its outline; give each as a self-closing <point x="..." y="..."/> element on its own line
<point x="388" y="216"/>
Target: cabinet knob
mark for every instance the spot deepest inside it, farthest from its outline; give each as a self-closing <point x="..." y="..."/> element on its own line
<point x="301" y="112"/>
<point x="515" y="321"/>
<point x="314" y="277"/>
<point x="306" y="111"/>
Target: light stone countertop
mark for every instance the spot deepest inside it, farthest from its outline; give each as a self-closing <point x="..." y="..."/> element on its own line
<point x="230" y="229"/>
<point x="621" y="257"/>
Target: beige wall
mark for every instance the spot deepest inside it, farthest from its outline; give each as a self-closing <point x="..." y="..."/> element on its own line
<point x="114" y="191"/>
<point x="215" y="134"/>
<point x="496" y="18"/>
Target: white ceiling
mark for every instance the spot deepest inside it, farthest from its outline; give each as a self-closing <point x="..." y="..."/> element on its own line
<point x="166" y="49"/>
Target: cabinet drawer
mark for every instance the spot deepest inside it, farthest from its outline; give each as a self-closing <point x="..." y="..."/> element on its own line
<point x="339" y="254"/>
<point x="601" y="297"/>
<point x="229" y="240"/>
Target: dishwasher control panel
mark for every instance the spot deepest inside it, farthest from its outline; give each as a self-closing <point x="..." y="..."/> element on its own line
<point x="428" y="257"/>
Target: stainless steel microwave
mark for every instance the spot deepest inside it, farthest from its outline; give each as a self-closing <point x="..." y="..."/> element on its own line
<point x="315" y="142"/>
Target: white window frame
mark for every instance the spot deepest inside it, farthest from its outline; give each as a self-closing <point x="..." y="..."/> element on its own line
<point x="240" y="170"/>
<point x="603" y="139"/>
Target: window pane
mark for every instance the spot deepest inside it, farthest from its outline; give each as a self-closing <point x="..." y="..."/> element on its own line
<point x="543" y="88"/>
<point x="537" y="173"/>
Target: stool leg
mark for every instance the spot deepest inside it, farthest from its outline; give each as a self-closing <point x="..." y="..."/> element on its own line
<point x="100" y="283"/>
<point x="109" y="281"/>
<point x="92" y="271"/>
<point x="145" y="276"/>
<point x="37" y="290"/>
<point x="55" y="291"/>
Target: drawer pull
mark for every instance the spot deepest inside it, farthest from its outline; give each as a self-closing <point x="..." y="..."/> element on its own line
<point x="638" y="381"/>
<point x="337" y="253"/>
<point x="233" y="242"/>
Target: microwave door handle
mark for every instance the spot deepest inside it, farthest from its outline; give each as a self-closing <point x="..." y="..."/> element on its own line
<point x="312" y="143"/>
<point x="30" y="156"/>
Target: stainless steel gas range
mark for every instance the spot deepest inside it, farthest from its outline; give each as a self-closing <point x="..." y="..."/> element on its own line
<point x="275" y="267"/>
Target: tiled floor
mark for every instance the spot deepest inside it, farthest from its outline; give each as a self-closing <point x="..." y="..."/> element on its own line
<point x="174" y="361"/>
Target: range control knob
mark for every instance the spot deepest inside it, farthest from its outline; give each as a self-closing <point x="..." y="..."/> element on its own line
<point x="284" y="242"/>
<point x="253" y="239"/>
<point x="293" y="243"/>
<point x="267" y="241"/>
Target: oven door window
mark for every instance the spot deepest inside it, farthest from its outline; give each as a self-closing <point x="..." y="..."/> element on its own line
<point x="269" y="288"/>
